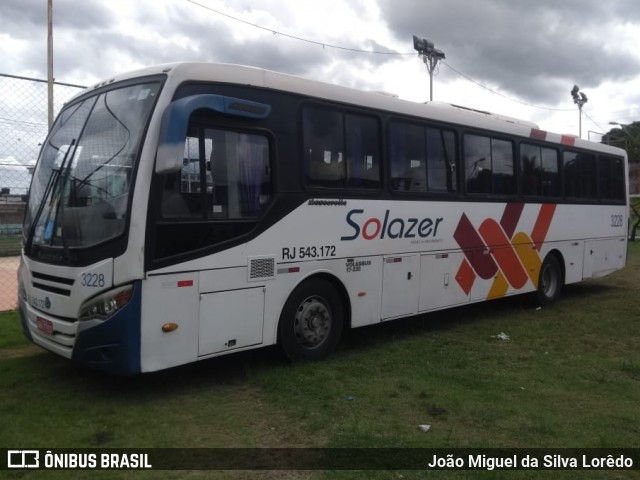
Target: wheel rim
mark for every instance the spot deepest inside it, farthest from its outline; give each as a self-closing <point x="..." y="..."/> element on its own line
<point x="549" y="281"/>
<point x="312" y="322"/>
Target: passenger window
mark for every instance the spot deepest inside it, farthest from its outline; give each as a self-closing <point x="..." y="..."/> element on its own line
<point x="579" y="175"/>
<point x="489" y="165"/>
<point x="441" y="160"/>
<point x="503" y="178"/>
<point x="477" y="163"/>
<point x="550" y="173"/>
<point x="422" y="159"/>
<point x="363" y="160"/>
<point x="340" y="150"/>
<point x="407" y="155"/>
<point x="539" y="171"/>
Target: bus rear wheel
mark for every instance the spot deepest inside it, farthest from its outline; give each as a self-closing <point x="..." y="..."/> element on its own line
<point x="549" y="281"/>
<point x="311" y="321"/>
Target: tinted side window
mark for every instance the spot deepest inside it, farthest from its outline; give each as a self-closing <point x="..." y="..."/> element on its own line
<point x="422" y="158"/>
<point x="477" y="163"/>
<point x="222" y="188"/>
<point x="323" y="144"/>
<point x="407" y="156"/>
<point x="530" y="169"/>
<point x="579" y="175"/>
<point x="224" y="175"/>
<point x="489" y="165"/>
<point x="238" y="175"/>
<point x="550" y="173"/>
<point x="441" y="160"/>
<point x="504" y="182"/>
<point x="363" y="158"/>
<point x="539" y="173"/>
<point x="611" y="178"/>
<point x="340" y="150"/>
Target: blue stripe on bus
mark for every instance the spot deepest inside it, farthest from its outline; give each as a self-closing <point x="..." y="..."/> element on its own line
<point x="114" y="345"/>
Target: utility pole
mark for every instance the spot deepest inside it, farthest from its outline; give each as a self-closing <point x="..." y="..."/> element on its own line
<point x="430" y="56"/>
<point x="579" y="98"/>
<point x="50" y="61"/>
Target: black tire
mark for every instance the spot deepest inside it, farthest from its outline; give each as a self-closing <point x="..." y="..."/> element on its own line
<point x="311" y="322"/>
<point x="550" y="281"/>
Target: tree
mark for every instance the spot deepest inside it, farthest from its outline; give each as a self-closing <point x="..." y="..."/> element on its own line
<point x="627" y="137"/>
<point x="634" y="218"/>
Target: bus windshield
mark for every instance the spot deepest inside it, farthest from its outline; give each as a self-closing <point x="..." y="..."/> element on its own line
<point x="80" y="189"/>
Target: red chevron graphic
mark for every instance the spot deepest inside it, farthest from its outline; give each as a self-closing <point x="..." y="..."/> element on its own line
<point x="490" y="251"/>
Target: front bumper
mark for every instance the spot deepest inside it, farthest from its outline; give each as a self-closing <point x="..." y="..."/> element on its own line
<point x="112" y="345"/>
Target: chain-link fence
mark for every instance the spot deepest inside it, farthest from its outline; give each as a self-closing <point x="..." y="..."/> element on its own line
<point x="23" y="128"/>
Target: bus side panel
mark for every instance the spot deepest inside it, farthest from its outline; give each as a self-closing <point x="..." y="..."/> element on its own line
<point x="602" y="257"/>
<point x="362" y="279"/>
<point x="167" y="299"/>
<point x="442" y="279"/>
<point x="572" y="253"/>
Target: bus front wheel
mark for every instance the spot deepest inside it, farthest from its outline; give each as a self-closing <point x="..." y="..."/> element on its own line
<point x="549" y="281"/>
<point x="311" y="321"/>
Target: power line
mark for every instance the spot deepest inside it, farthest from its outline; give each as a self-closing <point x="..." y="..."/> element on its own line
<point x="276" y="32"/>
<point x="593" y="121"/>
<point x="503" y="95"/>
<point x="376" y="52"/>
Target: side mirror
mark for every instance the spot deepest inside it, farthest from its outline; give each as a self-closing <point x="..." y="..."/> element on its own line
<point x="175" y="120"/>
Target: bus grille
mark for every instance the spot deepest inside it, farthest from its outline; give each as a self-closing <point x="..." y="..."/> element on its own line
<point x="262" y="268"/>
<point x="57" y="285"/>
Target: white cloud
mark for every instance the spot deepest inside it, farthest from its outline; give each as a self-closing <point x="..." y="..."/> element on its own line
<point x="531" y="52"/>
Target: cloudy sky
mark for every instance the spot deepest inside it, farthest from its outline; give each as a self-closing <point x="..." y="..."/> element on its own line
<point x="526" y="55"/>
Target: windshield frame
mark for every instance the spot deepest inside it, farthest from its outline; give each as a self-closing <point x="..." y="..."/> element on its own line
<point x="113" y="246"/>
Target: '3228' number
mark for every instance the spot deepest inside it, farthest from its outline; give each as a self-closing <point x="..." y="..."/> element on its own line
<point x="617" y="221"/>
<point x="93" y="280"/>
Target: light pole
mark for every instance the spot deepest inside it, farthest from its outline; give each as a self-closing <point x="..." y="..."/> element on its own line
<point x="430" y="56"/>
<point x="579" y="98"/>
<point x="50" y="61"/>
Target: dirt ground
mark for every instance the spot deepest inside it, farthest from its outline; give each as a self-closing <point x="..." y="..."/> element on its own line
<point x="8" y="283"/>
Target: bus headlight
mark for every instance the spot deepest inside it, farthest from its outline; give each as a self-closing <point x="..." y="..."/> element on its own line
<point x="104" y="306"/>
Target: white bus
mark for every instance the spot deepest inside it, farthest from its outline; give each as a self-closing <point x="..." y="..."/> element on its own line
<point x="191" y="210"/>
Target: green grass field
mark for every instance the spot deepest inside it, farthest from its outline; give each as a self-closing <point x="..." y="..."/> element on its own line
<point x="569" y="376"/>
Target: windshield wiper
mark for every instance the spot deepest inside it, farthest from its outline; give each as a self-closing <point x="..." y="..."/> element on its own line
<point x="50" y="189"/>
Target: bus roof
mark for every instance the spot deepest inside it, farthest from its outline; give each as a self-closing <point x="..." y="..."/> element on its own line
<point x="454" y="114"/>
